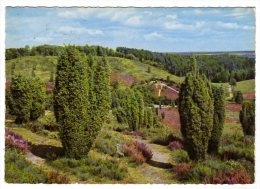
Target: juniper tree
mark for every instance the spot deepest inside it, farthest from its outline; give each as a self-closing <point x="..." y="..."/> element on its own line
<point x="81" y="100"/>
<point x="99" y="93"/>
<point x="21" y="99"/>
<point x="218" y="119"/>
<point x="38" y="91"/>
<point x="71" y="103"/>
<point x="196" y="113"/>
<point x="140" y="102"/>
<point x="27" y="98"/>
<point x="247" y="118"/>
<point x="238" y="97"/>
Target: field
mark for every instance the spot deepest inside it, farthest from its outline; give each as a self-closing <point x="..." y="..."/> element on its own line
<point x="107" y="162"/>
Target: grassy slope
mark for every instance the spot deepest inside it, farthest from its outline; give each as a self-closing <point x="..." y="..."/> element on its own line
<point x="247" y="86"/>
<point x="44" y="65"/>
<point x="139" y="70"/>
<point x="24" y="66"/>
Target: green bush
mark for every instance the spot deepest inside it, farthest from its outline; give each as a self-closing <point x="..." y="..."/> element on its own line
<point x="180" y="156"/>
<point x="27" y="98"/>
<point x="106" y="143"/>
<point x="158" y="135"/>
<point x="218" y="119"/>
<point x="238" y="97"/>
<point x="19" y="170"/>
<point x="199" y="173"/>
<point x="247" y="118"/>
<point x="234" y="152"/>
<point x="48" y="121"/>
<point x="92" y="168"/>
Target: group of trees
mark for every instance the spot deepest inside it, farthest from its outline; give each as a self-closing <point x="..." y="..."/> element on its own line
<point x="26" y="99"/>
<point x="202" y="113"/>
<point x="43" y="50"/>
<point x="81" y="100"/>
<point x="217" y="68"/>
<point x="129" y="107"/>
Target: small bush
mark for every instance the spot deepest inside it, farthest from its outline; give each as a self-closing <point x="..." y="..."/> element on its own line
<point x="238" y="97"/>
<point x="247" y="118"/>
<point x="35" y="127"/>
<point x="200" y="172"/>
<point x="139" y="152"/>
<point x="108" y="143"/>
<point x="233" y="152"/>
<point x="92" y="167"/>
<point x="180" y="156"/>
<point x="56" y="177"/>
<point x="158" y="135"/>
<point x="181" y="169"/>
<point x="175" y="145"/>
<point x="231" y="177"/>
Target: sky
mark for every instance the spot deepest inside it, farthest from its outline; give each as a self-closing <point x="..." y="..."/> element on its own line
<point x="155" y="29"/>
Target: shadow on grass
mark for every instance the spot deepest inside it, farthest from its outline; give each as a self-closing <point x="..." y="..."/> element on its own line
<point x="47" y="151"/>
<point x="160" y="164"/>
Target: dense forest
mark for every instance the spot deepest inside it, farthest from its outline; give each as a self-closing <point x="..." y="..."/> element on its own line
<point x="218" y="68"/>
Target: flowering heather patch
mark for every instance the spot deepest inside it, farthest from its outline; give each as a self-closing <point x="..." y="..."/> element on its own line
<point x="14" y="140"/>
<point x="172" y="117"/>
<point x="231" y="177"/>
<point x="233" y="107"/>
<point x="49" y="87"/>
<point x="126" y="79"/>
<point x="175" y="145"/>
<point x="55" y="177"/>
<point x="181" y="169"/>
<point x="249" y="95"/>
<point x="140" y="152"/>
<point x="8" y="85"/>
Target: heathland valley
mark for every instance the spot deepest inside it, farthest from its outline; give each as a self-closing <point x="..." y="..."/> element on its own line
<point x="91" y="114"/>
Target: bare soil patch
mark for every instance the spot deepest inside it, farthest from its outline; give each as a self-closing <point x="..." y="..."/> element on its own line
<point x="172" y="117"/>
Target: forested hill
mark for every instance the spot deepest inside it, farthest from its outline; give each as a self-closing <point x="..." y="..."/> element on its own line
<point x="219" y="67"/>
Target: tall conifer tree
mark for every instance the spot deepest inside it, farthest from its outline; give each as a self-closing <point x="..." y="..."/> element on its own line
<point x="196" y="113"/>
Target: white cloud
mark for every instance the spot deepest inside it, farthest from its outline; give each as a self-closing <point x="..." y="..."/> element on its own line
<point x="248" y="27"/>
<point x="153" y="36"/>
<point x="112" y="14"/>
<point x="133" y="21"/>
<point x="69" y="29"/>
<point x="230" y="25"/>
<point x="180" y="26"/>
<point x="172" y="16"/>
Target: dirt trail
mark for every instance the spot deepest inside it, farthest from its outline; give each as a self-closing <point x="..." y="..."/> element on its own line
<point x="158" y="170"/>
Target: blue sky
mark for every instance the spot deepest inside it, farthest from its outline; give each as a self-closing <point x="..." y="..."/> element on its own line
<point x="156" y="29"/>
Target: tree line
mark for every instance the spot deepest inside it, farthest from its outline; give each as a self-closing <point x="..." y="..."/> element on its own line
<point x="217" y="68"/>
